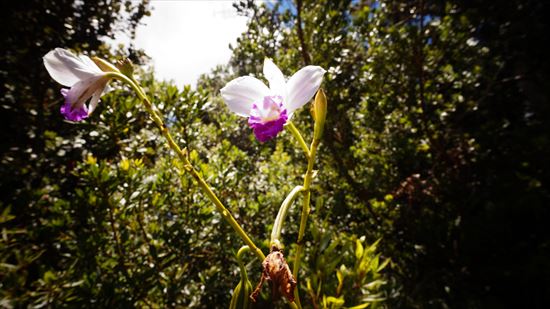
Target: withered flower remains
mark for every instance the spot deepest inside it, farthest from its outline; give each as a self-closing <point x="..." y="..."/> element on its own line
<point x="277" y="273"/>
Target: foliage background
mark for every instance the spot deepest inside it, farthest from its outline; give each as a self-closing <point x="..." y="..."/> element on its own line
<point x="437" y="143"/>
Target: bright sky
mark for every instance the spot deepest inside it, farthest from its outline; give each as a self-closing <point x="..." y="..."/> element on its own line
<point x="187" y="38"/>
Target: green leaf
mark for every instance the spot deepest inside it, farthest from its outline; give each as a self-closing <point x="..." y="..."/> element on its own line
<point x="336" y="302"/>
<point x="358" y="249"/>
<point x="383" y="265"/>
<point x="365" y="305"/>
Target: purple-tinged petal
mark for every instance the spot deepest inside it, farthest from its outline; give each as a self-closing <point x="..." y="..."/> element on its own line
<point x="75" y="108"/>
<point x="84" y="89"/>
<point x="70" y="112"/>
<point x="94" y="101"/>
<point x="302" y="86"/>
<point x="101" y="90"/>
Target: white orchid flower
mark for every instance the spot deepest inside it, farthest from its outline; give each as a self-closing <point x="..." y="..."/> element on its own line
<point x="85" y="79"/>
<point x="268" y="109"/>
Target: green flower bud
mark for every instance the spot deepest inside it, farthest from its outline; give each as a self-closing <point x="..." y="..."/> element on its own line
<point x="319" y="114"/>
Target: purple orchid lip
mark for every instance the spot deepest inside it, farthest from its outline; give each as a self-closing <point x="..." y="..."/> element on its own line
<point x="268" y="118"/>
<point x="268" y="130"/>
<point x="71" y="112"/>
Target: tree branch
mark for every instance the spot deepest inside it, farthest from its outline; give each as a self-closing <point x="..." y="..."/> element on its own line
<point x="303" y="45"/>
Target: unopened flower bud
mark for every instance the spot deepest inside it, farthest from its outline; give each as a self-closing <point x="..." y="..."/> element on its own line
<point x="319" y="113"/>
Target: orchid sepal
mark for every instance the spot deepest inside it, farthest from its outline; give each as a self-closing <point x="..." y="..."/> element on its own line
<point x="104" y="65"/>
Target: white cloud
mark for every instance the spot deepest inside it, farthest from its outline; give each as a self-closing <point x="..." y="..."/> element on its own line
<point x="188" y="38"/>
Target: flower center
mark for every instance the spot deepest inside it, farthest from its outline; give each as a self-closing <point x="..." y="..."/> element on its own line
<point x="268" y="117"/>
<point x="268" y="110"/>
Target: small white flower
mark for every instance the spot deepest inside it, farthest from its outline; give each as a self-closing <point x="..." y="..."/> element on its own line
<point x="85" y="79"/>
<point x="268" y="109"/>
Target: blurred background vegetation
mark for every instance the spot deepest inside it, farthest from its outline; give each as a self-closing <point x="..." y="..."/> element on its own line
<point x="437" y="143"/>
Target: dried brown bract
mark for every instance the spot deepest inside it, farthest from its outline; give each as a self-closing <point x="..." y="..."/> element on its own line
<point x="277" y="273"/>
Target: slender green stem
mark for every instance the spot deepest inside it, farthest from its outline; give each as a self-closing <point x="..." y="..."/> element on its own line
<point x="182" y="154"/>
<point x="298" y="137"/>
<point x="308" y="177"/>
<point x="278" y="225"/>
<point x="225" y="213"/>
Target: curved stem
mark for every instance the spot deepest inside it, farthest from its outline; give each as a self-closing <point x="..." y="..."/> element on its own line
<point x="278" y="225"/>
<point x="241" y="251"/>
<point x="298" y="137"/>
<point x="182" y="154"/>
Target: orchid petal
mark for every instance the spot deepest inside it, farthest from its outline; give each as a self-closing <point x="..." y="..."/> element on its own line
<point x="68" y="69"/>
<point x="71" y="112"/>
<point x="97" y="94"/>
<point x="276" y="79"/>
<point x="90" y="63"/>
<point x="240" y="93"/>
<point x="83" y="90"/>
<point x="302" y="86"/>
<point x="80" y="92"/>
